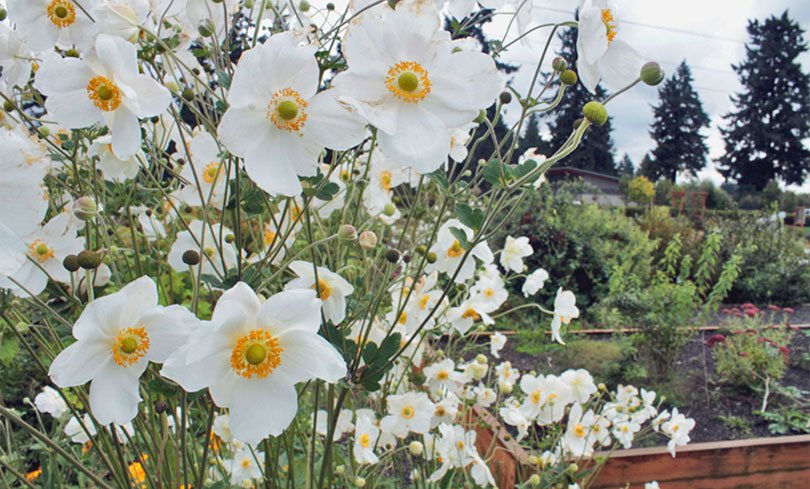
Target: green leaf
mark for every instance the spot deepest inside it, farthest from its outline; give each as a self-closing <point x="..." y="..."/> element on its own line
<point x="328" y="191"/>
<point x="495" y="171"/>
<point x="440" y="178"/>
<point x="468" y="216"/>
<point x="159" y="387"/>
<point x="224" y="79"/>
<point x="461" y="236"/>
<point x="9" y="348"/>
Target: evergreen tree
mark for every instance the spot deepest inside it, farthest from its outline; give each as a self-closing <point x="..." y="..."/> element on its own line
<point x="763" y="140"/>
<point x="595" y="153"/>
<point x="679" y="117"/>
<point x="626" y="167"/>
<point x="645" y="168"/>
<point x="531" y="136"/>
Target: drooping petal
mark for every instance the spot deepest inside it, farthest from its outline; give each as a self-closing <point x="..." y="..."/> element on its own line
<point x="126" y="134"/>
<point x="331" y="124"/>
<point x="79" y="362"/>
<point x="422" y="140"/>
<point x="262" y="408"/>
<point x="291" y="309"/>
<point x="114" y="394"/>
<point x="308" y="356"/>
<point x="620" y="65"/>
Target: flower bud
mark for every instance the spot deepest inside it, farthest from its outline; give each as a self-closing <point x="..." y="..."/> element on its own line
<point x="416" y="448"/>
<point x="568" y="77"/>
<point x="330" y="6"/>
<point x="359" y="482"/>
<point x="392" y="255"/>
<point x="573" y="467"/>
<point x="431" y="257"/>
<point x="207" y="28"/>
<point x="559" y="64"/>
<point x="367" y="240"/>
<point x="595" y="112"/>
<point x="161" y="406"/>
<point x="340" y="470"/>
<point x="188" y="94"/>
<point x="3" y="14"/>
<point x="85" y="208"/>
<point x="506" y="387"/>
<point x="481" y="358"/>
<point x="230" y="238"/>
<point x="602" y="386"/>
<point x="191" y="257"/>
<point x="481" y="116"/>
<point x="505" y="97"/>
<point x="347" y="233"/>
<point x="389" y="209"/>
<point x="534" y="480"/>
<point x="71" y="263"/>
<point x="8" y="106"/>
<point x="652" y="74"/>
<point x="478" y="371"/>
<point x="22" y="327"/>
<point x="89" y="259"/>
<point x="421" y="249"/>
<point x="303" y="6"/>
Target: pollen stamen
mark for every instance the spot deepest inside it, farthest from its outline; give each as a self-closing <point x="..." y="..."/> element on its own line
<point x="40" y="250"/>
<point x="61" y="13"/>
<point x="286" y="110"/>
<point x="609" y="21"/>
<point x="257" y="353"/>
<point x="408" y="81"/>
<point x="130" y="345"/>
<point x="104" y="93"/>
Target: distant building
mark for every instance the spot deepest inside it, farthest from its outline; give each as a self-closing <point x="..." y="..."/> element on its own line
<point x="608" y="195"/>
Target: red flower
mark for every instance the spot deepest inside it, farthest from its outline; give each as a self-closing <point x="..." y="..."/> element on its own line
<point x="773" y="307"/>
<point x="737" y="331"/>
<point x="715" y="338"/>
<point x="788" y="310"/>
<point x="784" y="350"/>
<point x="744" y="354"/>
<point x="726" y="311"/>
<point x="737" y="314"/>
<point x="748" y="305"/>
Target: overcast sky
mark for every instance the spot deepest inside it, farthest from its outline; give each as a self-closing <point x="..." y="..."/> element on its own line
<point x="709" y="34"/>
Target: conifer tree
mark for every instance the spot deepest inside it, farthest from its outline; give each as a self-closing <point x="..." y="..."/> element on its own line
<point x="679" y="117"/>
<point x="531" y="137"/>
<point x="764" y="135"/>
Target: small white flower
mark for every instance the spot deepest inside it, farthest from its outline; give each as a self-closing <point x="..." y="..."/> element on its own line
<point x="677" y="429"/>
<point x="449" y="252"/>
<point x="49" y="401"/>
<point x="496" y="343"/>
<point x="514" y="251"/>
<point x="365" y="437"/>
<point x="112" y="167"/>
<point x="564" y="310"/>
<point x="534" y="282"/>
<point x="651" y="485"/>
<point x="45" y="23"/>
<point x="332" y="288"/>
<point x="244" y="467"/>
<point x="581" y="384"/>
<point x="410" y="412"/>
<point x="344" y="423"/>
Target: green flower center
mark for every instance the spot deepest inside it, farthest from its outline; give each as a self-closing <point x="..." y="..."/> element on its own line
<point x="287" y="110"/>
<point x="408" y="82"/>
<point x="61" y="12"/>
<point x="129" y="345"/>
<point x="104" y="92"/>
<point x="256" y="354"/>
<point x="42" y="249"/>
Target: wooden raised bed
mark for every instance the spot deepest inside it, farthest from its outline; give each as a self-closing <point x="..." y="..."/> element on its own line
<point x="759" y="463"/>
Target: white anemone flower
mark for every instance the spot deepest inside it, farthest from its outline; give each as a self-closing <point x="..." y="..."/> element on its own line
<point x="449" y="252"/>
<point x="49" y="23"/>
<point x="534" y="282"/>
<point x="565" y="310"/>
<point x="112" y="167"/>
<point x="332" y="288"/>
<point x="122" y="17"/>
<point x="344" y="423"/>
<point x="15" y="58"/>
<point x="514" y="251"/>
<point x="118" y="335"/>
<point x="410" y="412"/>
<point x="365" y="437"/>
<point x="677" y="428"/>
<point x="251" y="356"/>
<point x="405" y="78"/>
<point x="105" y="86"/>
<point x="46" y="248"/>
<point x="277" y="122"/>
<point x="23" y="195"/>
<point x="496" y="343"/>
<point x="244" y="466"/>
<point x="73" y="428"/>
<point x="602" y="54"/>
<point x="217" y="256"/>
<point x="581" y="383"/>
<point x="49" y="401"/>
<point x="206" y="174"/>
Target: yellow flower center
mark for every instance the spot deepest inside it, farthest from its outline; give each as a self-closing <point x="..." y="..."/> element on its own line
<point x="455" y="250"/>
<point x="386" y="180"/>
<point x="536" y="397"/>
<point x="403" y="318"/>
<point x="257" y="353"/>
<point x="136" y="473"/>
<point x="365" y="440"/>
<point x="408" y="412"/>
<point x="408" y="81"/>
<point x="130" y="345"/>
<point x="424" y="301"/>
<point x="345" y="175"/>
<point x="61" y="12"/>
<point x="286" y="110"/>
<point x="269" y="236"/>
<point x="104" y="93"/>
<point x="210" y="172"/>
<point x="442" y="375"/>
<point x="607" y="19"/>
<point x="624" y="429"/>
<point x="440" y="411"/>
<point x="325" y="290"/>
<point x="489" y="292"/>
<point x="245" y="463"/>
<point x="40" y="250"/>
<point x="675" y="427"/>
<point x="579" y="430"/>
<point x="460" y="445"/>
<point x="471" y="313"/>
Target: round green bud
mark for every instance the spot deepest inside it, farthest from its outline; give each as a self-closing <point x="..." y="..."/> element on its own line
<point x="44" y="131"/>
<point x="559" y="64"/>
<point x="416" y="448"/>
<point x="85" y="208"/>
<point x="340" y="470"/>
<point x="392" y="255"/>
<point x="287" y="110"/>
<point x="207" y="28"/>
<point x="188" y="94"/>
<point x="568" y="77"/>
<point x="359" y="482"/>
<point x="532" y="459"/>
<point x="3" y="14"/>
<point x="595" y="112"/>
<point x="421" y="249"/>
<point x="573" y="467"/>
<point x="230" y="238"/>
<point x="481" y="358"/>
<point x="304" y="6"/>
<point x="247" y="3"/>
<point x="534" y="480"/>
<point x="602" y="386"/>
<point x="71" y="263"/>
<point x="330" y="6"/>
<point x="8" y="106"/>
<point x="191" y="257"/>
<point x="481" y="116"/>
<point x="23" y="327"/>
<point x="217" y="1"/>
<point x="652" y="74"/>
<point x="389" y="209"/>
<point x="367" y="240"/>
<point x="347" y="233"/>
<point x="88" y="259"/>
<point x="431" y="257"/>
<point x="505" y="97"/>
